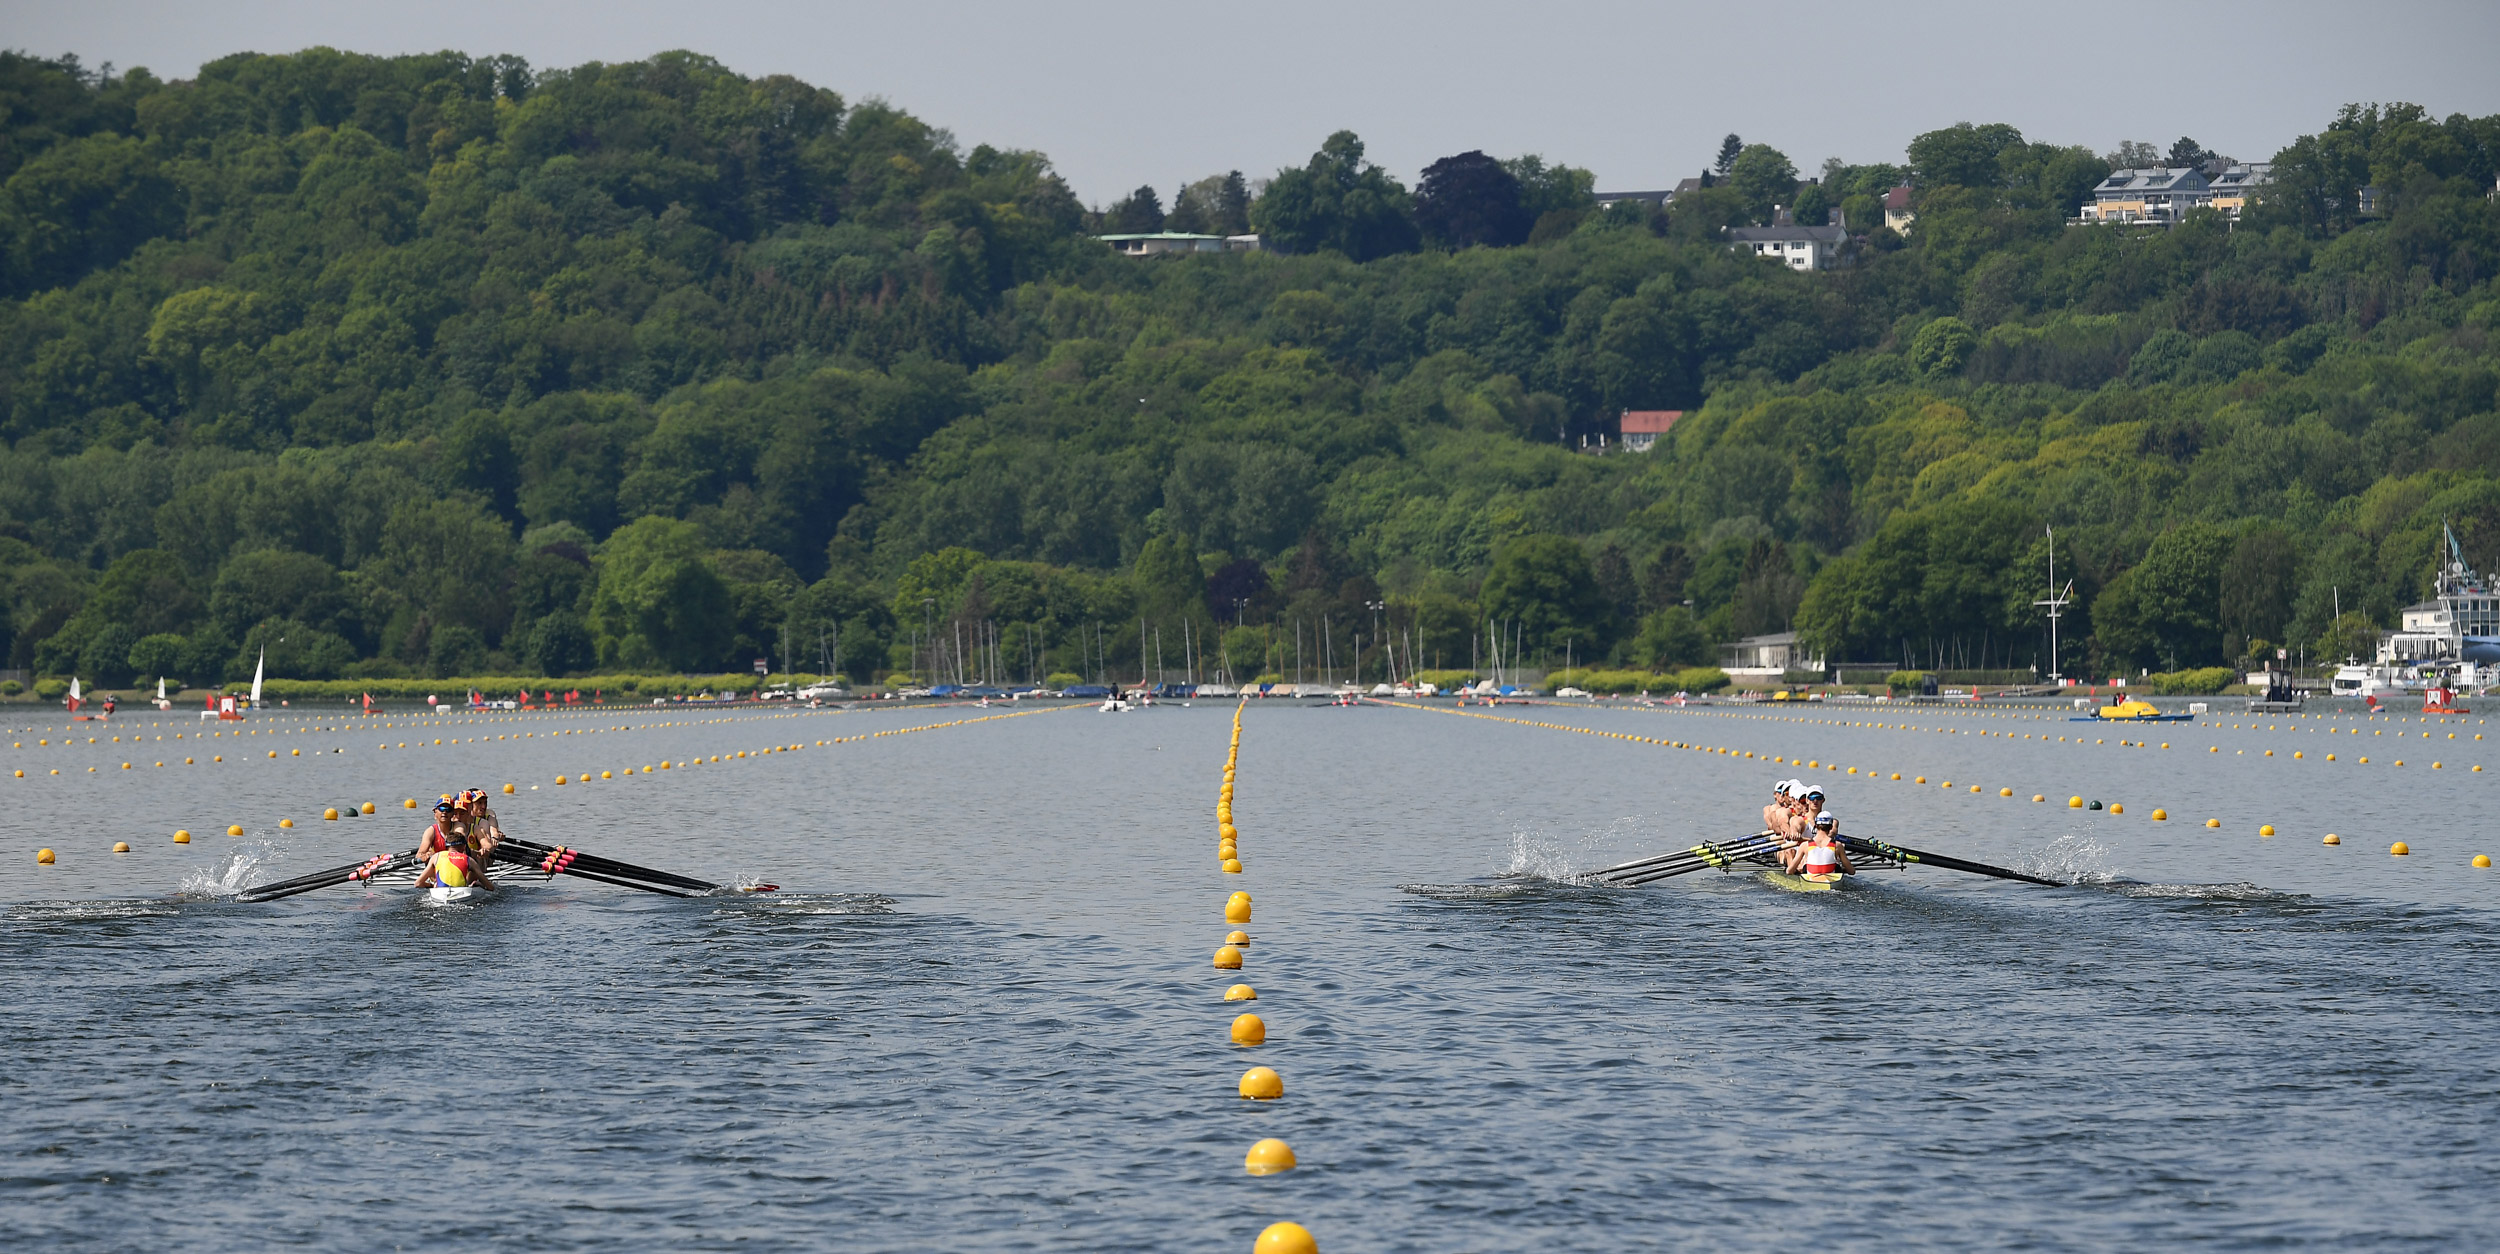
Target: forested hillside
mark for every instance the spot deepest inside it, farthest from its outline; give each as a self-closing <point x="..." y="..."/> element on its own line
<point x="441" y="365"/>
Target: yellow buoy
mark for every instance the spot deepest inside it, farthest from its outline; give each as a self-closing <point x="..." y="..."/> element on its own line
<point x="1249" y="1030"/>
<point x="2266" y="830"/>
<point x="1262" y="1084"/>
<point x="286" y="822"/>
<point x="43" y="857"/>
<point x="330" y="814"/>
<point x="2005" y="792"/>
<point x="507" y="789"/>
<point x="2398" y="849"/>
<point x="1285" y="1238"/>
<point x="1227" y="958"/>
<point x="234" y="829"/>
<point x="409" y="804"/>
<point x="1269" y="1157"/>
<point x="2482" y="860"/>
<point x="602" y="775"/>
<point x="1237" y="910"/>
<point x="1236" y="937"/>
<point x="2116" y="808"/>
<point x="2159" y="816"/>
<point x="1241" y="992"/>
<point x="121" y="846"/>
<point x="559" y="779"/>
<point x="1232" y="866"/>
<point x="2213" y="822"/>
<point x="2332" y="839"/>
<point x="366" y="808"/>
<point x="182" y="838"/>
<point x="2074" y="803"/>
<point x="1920" y="780"/>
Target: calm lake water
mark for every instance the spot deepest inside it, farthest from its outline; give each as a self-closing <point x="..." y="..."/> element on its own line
<point x="980" y="1013"/>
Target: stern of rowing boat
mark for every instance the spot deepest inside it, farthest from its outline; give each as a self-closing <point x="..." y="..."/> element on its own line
<point x="1817" y="883"/>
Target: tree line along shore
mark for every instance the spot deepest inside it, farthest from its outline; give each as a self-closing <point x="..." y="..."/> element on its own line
<point x="439" y="366"/>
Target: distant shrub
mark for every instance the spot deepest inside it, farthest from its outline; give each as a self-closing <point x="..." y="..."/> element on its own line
<point x="2202" y="682"/>
<point x="1701" y="679"/>
<point x="10" y="687"/>
<point x="1056" y="679"/>
<point x="1905" y="681"/>
<point x="51" y="689"/>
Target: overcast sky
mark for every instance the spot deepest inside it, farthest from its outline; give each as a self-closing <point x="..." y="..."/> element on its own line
<point x="1130" y="93"/>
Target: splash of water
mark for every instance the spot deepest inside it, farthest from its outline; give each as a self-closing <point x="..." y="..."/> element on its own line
<point x="2072" y="858"/>
<point x="237" y="869"/>
<point x="1538" y="855"/>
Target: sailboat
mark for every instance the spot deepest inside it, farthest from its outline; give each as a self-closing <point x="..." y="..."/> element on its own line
<point x="161" y="702"/>
<point x="258" y="667"/>
<point x="76" y="699"/>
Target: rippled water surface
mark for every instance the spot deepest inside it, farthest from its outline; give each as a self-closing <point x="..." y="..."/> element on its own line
<point x="980" y="1014"/>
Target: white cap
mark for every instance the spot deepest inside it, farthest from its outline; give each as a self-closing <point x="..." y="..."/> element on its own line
<point x="1825" y="818"/>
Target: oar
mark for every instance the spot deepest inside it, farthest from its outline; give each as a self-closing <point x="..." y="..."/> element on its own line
<point x="365" y="870"/>
<point x="570" y="856"/>
<point x="525" y="861"/>
<point x="567" y="859"/>
<point x="1756" y="849"/>
<point x="1638" y="865"/>
<point x="1860" y="844"/>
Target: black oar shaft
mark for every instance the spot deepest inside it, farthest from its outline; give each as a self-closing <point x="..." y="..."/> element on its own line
<point x="591" y="861"/>
<point x="350" y="873"/>
<point x="1754" y="849"/>
<point x="1944" y="862"/>
<point x="1637" y="866"/>
<point x="610" y="879"/>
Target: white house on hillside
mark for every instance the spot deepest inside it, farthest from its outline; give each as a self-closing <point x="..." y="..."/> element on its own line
<point x="1797" y="247"/>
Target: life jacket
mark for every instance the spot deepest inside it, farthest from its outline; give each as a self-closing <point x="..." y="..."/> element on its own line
<point x="1822" y="856"/>
<point x="451" y="867"/>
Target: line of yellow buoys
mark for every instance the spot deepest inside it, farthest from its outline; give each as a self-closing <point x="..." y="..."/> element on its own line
<point x="2398" y="849"/>
<point x="1270" y="1155"/>
<point x="46" y="857"/>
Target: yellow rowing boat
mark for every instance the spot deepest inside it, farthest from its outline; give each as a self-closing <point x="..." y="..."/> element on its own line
<point x="1822" y="883"/>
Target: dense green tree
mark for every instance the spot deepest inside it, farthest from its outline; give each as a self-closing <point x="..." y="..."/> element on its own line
<point x="1471" y="199"/>
<point x="2165" y="612"/>
<point x="1138" y="213"/>
<point x="1541" y="586"/>
<point x="1337" y="202"/>
<point x="659" y="602"/>
<point x="1765" y="177"/>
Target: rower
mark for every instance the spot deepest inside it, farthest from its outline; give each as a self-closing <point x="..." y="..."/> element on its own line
<point x="484" y="831"/>
<point x="1809" y="805"/>
<point x="1775" y="816"/>
<point x="453" y="867"/>
<point x="1821" y="853"/>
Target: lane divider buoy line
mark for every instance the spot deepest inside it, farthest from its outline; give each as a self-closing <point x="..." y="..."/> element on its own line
<point x="2480" y="861"/>
<point x="354" y="809"/>
<point x="1269" y="1155"/>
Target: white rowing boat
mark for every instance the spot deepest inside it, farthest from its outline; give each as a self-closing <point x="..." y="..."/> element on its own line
<point x="438" y="895"/>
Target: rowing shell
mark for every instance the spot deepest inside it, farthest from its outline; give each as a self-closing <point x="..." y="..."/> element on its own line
<point x="1819" y="883"/>
<point x="441" y="896"/>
